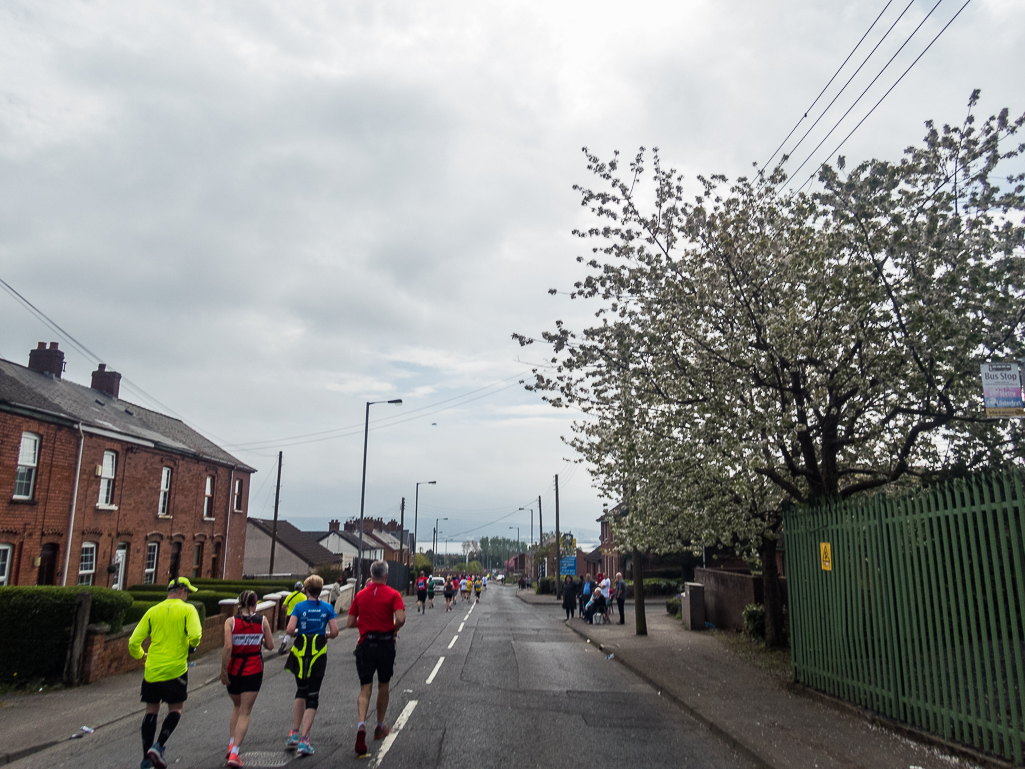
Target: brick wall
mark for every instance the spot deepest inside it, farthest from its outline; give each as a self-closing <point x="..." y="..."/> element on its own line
<point x="106" y="654"/>
<point x="32" y="525"/>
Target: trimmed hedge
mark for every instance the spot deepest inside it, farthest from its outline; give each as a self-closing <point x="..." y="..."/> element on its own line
<point x="36" y="624"/>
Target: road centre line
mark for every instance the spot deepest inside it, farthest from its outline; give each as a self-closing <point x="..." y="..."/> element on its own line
<point x="461" y="624"/>
<point x="453" y="641"/>
<point x="466" y="617"/>
<point x="434" y="672"/>
<point x="396" y="728"/>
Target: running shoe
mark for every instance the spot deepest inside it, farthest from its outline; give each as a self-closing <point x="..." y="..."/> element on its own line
<point x="146" y="764"/>
<point x="293" y="740"/>
<point x="304" y="749"/>
<point x="381" y="731"/>
<point x="233" y="759"/>
<point x="361" y="741"/>
<point x="156" y="755"/>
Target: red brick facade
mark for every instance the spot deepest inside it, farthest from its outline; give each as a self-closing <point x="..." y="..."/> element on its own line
<point x="34" y="532"/>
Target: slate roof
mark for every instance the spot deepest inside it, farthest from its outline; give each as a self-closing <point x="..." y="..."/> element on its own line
<point x="51" y="399"/>
<point x="299" y="542"/>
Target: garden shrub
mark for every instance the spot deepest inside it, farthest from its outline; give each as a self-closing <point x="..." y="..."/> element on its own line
<point x="36" y="624"/>
<point x="754" y="621"/>
<point x="674" y="606"/>
<point x="546" y="586"/>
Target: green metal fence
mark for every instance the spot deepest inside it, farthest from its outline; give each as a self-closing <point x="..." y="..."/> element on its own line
<point x="913" y="607"/>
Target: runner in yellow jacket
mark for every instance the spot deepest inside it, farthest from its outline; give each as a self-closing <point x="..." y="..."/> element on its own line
<point x="173" y="628"/>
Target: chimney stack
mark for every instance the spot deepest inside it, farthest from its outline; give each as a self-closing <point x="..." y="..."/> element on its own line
<point x="107" y="382"/>
<point x="49" y="361"/>
<point x="333" y="525"/>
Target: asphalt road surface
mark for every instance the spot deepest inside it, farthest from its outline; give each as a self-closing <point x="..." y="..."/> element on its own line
<point x="499" y="683"/>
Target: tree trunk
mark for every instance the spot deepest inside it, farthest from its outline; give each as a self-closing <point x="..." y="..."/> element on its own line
<point x="642" y="620"/>
<point x="772" y="595"/>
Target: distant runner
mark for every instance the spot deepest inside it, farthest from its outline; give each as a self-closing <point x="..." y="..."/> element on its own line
<point x="450" y="593"/>
<point x="477" y="585"/>
<point x="421" y="592"/>
<point x="297" y="596"/>
<point x="430" y="592"/>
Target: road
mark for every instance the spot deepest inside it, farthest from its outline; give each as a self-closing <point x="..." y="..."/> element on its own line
<point x="499" y="682"/>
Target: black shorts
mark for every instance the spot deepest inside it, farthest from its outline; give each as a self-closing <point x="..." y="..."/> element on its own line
<point x="250" y="683"/>
<point x="175" y="690"/>
<point x="421" y="595"/>
<point x="375" y="657"/>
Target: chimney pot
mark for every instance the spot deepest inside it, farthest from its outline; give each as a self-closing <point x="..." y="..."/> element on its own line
<point x="107" y="382"/>
<point x="46" y="361"/>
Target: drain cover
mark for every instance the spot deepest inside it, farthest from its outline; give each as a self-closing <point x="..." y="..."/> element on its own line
<point x="268" y="758"/>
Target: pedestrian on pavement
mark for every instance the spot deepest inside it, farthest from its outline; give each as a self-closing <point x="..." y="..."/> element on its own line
<point x="174" y="630"/>
<point x="421" y="592"/>
<point x="569" y="597"/>
<point x="523" y="582"/>
<point x="298" y="595"/>
<point x="585" y="594"/>
<point x="245" y="635"/>
<point x="620" y="595"/>
<point x="311" y="624"/>
<point x="378" y="611"/>
<point x="450" y="592"/>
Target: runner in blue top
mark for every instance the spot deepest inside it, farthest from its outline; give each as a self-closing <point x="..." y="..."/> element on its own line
<point x="311" y="622"/>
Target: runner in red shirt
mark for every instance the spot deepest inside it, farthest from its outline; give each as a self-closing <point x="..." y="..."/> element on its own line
<point x="421" y="592"/>
<point x="378" y="611"/>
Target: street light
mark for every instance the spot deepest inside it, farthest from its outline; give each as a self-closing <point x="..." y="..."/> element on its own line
<point x="416" y="512"/>
<point x="434" y="547"/>
<point x="517" y="539"/>
<point x="531" y="522"/>
<point x="363" y="488"/>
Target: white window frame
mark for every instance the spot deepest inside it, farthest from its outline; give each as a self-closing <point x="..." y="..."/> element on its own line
<point x="164" y="505"/>
<point x="208" y="499"/>
<point x="6" y="556"/>
<point x="239" y="487"/>
<point x="28" y="466"/>
<point x="121" y="561"/>
<point x="87" y="564"/>
<point x="198" y="553"/>
<point x="108" y="472"/>
<point x="149" y="574"/>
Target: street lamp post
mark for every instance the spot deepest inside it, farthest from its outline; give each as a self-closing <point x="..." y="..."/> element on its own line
<point x="517" y="539"/>
<point x="416" y="513"/>
<point x="363" y="487"/>
<point x="434" y="546"/>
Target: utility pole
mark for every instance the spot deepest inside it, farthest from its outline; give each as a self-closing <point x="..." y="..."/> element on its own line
<point x="558" y="544"/>
<point x="402" y="540"/>
<point x="540" y="538"/>
<point x="274" y="526"/>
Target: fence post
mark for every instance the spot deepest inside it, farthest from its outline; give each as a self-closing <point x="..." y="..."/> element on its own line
<point x="76" y="646"/>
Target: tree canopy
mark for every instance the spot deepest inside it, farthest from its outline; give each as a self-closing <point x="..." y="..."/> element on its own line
<point x="756" y="347"/>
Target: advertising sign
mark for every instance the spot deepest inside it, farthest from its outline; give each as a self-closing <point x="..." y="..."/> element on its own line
<point x="568" y="566"/>
<point x="1001" y="389"/>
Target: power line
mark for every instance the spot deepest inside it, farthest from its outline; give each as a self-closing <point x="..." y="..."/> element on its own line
<point x="905" y="72"/>
<point x="876" y="78"/>
<point x="338" y="432"/>
<point x="826" y="87"/>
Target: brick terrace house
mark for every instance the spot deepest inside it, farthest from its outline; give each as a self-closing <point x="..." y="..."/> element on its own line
<point x="296" y="553"/>
<point x="95" y="490"/>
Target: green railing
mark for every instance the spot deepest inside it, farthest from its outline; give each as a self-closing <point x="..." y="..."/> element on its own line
<point x="916" y="608"/>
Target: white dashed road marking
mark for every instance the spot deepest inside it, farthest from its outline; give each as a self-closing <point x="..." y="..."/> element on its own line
<point x="453" y="641"/>
<point x="396" y="728"/>
<point x="434" y="672"/>
<point x="461" y="624"/>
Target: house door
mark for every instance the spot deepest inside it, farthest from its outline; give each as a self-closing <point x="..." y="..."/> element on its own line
<point x="120" y="559"/>
<point x="47" y="565"/>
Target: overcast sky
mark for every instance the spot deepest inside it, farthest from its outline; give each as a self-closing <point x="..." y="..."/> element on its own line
<point x="266" y="214"/>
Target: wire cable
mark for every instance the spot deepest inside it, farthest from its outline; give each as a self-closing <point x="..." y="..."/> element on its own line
<point x="869" y="113"/>
<point x="876" y="78"/>
<point x="826" y="87"/>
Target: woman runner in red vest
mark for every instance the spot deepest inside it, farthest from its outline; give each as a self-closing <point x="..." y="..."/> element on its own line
<point x="245" y="635"/>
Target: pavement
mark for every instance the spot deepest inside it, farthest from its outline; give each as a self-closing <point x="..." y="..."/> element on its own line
<point x="773" y="724"/>
<point x="776" y="725"/>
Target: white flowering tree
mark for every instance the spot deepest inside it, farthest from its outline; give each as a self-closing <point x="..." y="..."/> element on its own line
<point x="757" y="348"/>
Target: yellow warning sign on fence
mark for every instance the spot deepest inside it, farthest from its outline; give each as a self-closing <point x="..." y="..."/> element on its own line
<point x="826" y="556"/>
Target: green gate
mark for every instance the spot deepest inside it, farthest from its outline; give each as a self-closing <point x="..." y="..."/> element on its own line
<point x="913" y="607"/>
